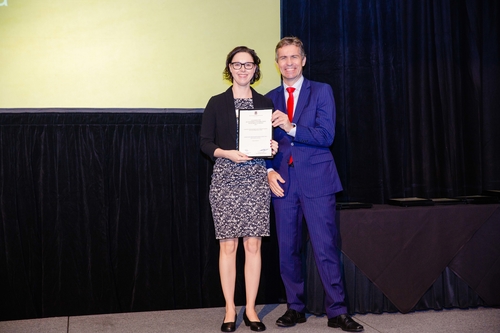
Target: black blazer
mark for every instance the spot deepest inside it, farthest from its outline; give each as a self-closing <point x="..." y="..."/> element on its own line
<point x="218" y="125"/>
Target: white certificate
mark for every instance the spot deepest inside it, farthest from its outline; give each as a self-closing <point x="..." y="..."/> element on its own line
<point x="255" y="132"/>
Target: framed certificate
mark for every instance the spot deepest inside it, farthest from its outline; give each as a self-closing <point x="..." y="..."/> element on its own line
<point x="255" y="132"/>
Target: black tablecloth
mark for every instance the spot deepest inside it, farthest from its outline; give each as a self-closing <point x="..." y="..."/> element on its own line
<point x="403" y="251"/>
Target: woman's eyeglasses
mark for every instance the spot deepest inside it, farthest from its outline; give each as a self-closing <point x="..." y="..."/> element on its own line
<point x="238" y="65"/>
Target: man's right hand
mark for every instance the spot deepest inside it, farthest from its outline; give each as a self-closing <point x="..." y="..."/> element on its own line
<point x="275" y="179"/>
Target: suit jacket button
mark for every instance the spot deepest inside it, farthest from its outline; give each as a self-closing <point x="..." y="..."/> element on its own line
<point x="291" y="144"/>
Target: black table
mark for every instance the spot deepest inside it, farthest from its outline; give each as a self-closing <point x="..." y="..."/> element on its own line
<point x="404" y="251"/>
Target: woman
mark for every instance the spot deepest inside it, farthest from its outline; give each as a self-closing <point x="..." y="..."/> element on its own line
<point x="239" y="191"/>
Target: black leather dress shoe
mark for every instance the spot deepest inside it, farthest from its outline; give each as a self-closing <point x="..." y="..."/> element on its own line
<point x="346" y="323"/>
<point x="256" y="326"/>
<point x="290" y="318"/>
<point x="230" y="326"/>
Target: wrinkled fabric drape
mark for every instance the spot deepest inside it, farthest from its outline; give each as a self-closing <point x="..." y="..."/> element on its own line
<point x="415" y="258"/>
<point x="362" y="296"/>
<point x="107" y="212"/>
<point x="417" y="88"/>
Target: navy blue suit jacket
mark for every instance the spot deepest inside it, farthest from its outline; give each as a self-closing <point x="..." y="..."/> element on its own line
<point x="315" y="130"/>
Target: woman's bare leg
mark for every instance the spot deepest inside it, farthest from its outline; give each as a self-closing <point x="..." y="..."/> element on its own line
<point x="253" y="264"/>
<point x="227" y="270"/>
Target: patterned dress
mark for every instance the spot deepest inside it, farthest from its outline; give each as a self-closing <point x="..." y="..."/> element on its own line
<point x="239" y="194"/>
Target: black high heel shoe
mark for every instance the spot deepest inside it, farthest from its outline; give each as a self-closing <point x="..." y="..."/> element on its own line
<point x="229" y="327"/>
<point x="256" y="326"/>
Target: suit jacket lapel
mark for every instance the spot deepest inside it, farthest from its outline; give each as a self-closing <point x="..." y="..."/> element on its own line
<point x="255" y="98"/>
<point x="281" y="104"/>
<point x="305" y="92"/>
<point x="231" y="112"/>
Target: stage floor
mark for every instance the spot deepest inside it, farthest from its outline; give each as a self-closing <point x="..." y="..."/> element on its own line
<point x="209" y="319"/>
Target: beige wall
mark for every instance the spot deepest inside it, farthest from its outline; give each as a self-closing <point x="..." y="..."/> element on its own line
<point x="126" y="53"/>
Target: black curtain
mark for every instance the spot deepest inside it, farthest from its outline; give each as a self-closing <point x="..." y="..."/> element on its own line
<point x="108" y="212"/>
<point x="417" y="88"/>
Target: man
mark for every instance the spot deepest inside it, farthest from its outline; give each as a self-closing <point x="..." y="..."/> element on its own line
<point x="303" y="179"/>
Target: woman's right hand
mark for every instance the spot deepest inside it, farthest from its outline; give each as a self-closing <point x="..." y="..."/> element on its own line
<point x="233" y="155"/>
<point x="237" y="156"/>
